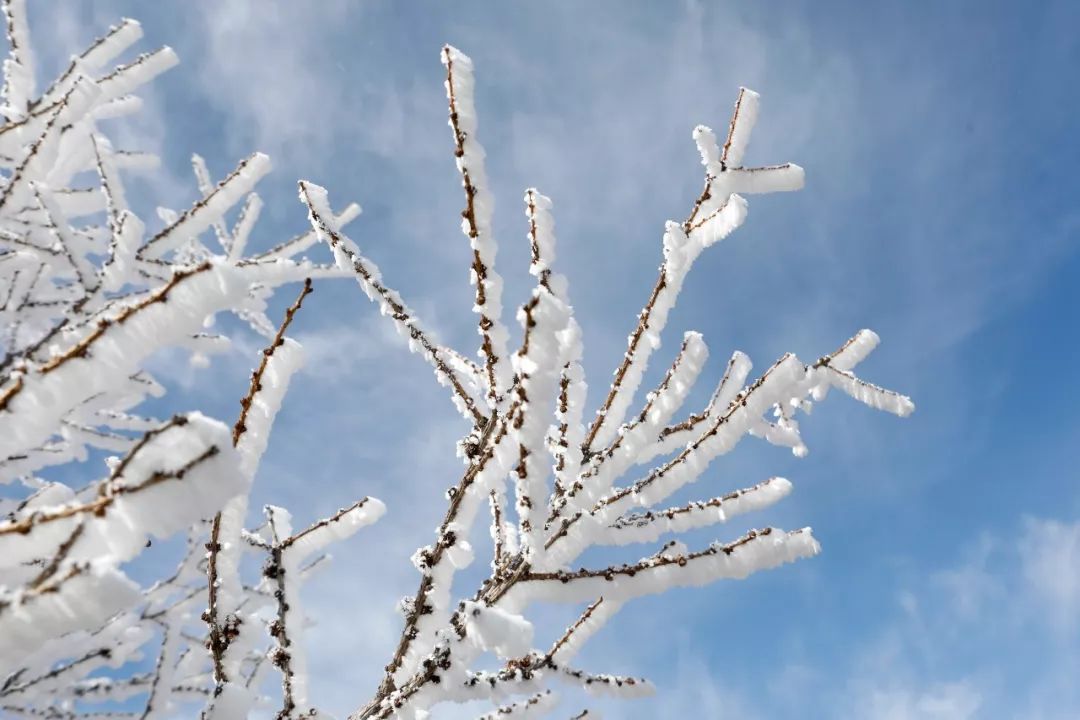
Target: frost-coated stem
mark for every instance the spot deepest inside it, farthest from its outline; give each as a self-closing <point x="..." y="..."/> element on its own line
<point x="661" y="404"/>
<point x="536" y="365"/>
<point x="250" y="436"/>
<point x="757" y="550"/>
<point x="675" y="437"/>
<point x="716" y="213"/>
<point x="476" y="221"/>
<point x="567" y="433"/>
<point x="18" y="88"/>
<point x="208" y="211"/>
<point x="347" y="255"/>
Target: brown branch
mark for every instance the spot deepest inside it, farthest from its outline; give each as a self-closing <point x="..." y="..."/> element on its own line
<point x="26" y="354"/>
<point x="497" y="529"/>
<point x="609" y="451"/>
<point x="196" y="208"/>
<point x="824" y="360"/>
<point x="13" y="125"/>
<point x="290" y="541"/>
<point x="15" y="326"/>
<point x="10" y="688"/>
<point x="100" y="504"/>
<point x="221" y="633"/>
<point x="697" y="418"/>
<point x="646" y="313"/>
<point x="281" y="657"/>
<point x="469" y="214"/>
<point x="120" y="70"/>
<point x="61" y="554"/>
<point x="155" y="681"/>
<point x="661" y="471"/>
<point x="439" y="659"/>
<point x="281" y="247"/>
<point x="624" y="367"/>
<point x="54" y="713"/>
<point x="17" y="176"/>
<point x="691" y="226"/>
<point x="73" y="66"/>
<point x="10" y="391"/>
<point x="688" y="424"/>
<point x="216" y="641"/>
<point x="513" y="708"/>
<point x="495" y="430"/>
<point x="645" y="518"/>
<point x="256" y="377"/>
<point x="534" y="245"/>
<point x="859" y="382"/>
<point x="731" y="128"/>
<point x="565" y="637"/>
<point x="687" y="452"/>
<point x="433" y="555"/>
<point x="299" y="242"/>
<point x="118" y="470"/>
<point x="391" y="697"/>
<point x="562" y="444"/>
<point x="81" y="348"/>
<point x="398" y="311"/>
<point x="105" y="174"/>
<point x="657" y="561"/>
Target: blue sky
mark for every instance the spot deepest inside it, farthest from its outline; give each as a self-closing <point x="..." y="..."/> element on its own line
<point x="940" y="148"/>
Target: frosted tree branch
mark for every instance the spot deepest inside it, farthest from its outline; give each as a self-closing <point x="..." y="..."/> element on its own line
<point x="476" y="220"/>
<point x="586" y="505"/>
<point x="89" y="291"/>
<point x="390" y="303"/>
<point x="88" y="296"/>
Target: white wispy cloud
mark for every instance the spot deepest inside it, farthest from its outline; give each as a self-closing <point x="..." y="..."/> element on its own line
<point x="1050" y="557"/>
<point x="261" y="68"/>
<point x="951" y="701"/>
<point x="994" y="634"/>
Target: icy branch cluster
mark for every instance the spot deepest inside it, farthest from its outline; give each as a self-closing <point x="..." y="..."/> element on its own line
<point x="88" y="294"/>
<point x="554" y="484"/>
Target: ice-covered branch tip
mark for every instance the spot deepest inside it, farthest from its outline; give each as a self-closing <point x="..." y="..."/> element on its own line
<point x="758" y="550"/>
<point x="717" y="212"/>
<point x="476" y="221"/>
<point x="250" y="436"/>
<point x="256" y="385"/>
<point x="283" y="570"/>
<point x="208" y="211"/>
<point x="534" y="706"/>
<point x="348" y="257"/>
<point x="176" y="463"/>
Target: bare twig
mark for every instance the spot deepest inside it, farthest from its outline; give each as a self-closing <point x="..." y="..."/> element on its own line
<point x="223" y="630"/>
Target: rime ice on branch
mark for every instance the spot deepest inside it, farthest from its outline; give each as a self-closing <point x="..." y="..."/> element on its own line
<point x="575" y="485"/>
<point x="87" y="295"/>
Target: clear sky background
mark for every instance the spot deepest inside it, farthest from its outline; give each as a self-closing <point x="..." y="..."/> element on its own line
<point x="940" y="145"/>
